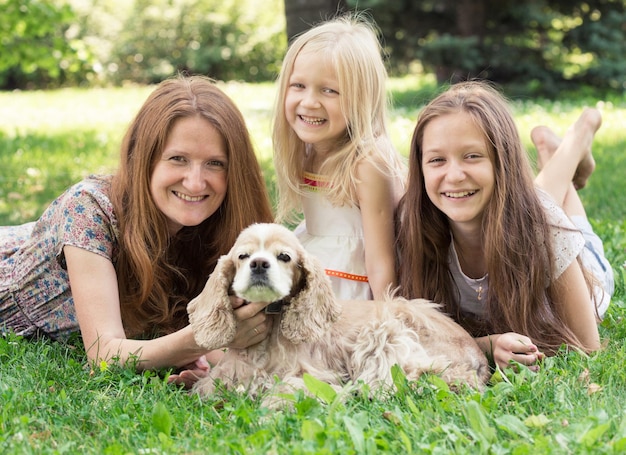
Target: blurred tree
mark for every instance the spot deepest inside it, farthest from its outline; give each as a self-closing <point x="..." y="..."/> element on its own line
<point x="224" y="39"/>
<point x="598" y="43"/>
<point x="39" y="45"/>
<point x="543" y="45"/>
<point x="302" y="14"/>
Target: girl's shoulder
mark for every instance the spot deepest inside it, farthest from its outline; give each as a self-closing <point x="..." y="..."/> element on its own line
<point x="385" y="158"/>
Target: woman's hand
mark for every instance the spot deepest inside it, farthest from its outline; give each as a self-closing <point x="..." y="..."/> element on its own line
<point x="253" y="325"/>
<point x="509" y="348"/>
<point x="189" y="374"/>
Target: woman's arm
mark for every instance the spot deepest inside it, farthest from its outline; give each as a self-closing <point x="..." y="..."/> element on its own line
<point x="95" y="292"/>
<point x="377" y="201"/>
<point x="572" y="292"/>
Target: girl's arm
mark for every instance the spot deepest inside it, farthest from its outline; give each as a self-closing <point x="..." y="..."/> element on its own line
<point x="96" y="299"/>
<point x="509" y="348"/>
<point x="377" y="201"/>
<point x="580" y="316"/>
<point x="570" y="289"/>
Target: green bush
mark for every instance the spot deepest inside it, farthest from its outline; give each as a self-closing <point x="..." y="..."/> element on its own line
<point x="39" y="45"/>
<point x="540" y="47"/>
<point x="226" y="40"/>
<point x="52" y="43"/>
<point x="601" y="39"/>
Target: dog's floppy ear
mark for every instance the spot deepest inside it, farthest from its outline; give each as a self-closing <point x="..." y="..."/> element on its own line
<point x="312" y="310"/>
<point x="211" y="313"/>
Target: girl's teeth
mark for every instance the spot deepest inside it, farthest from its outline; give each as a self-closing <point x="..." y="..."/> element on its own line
<point x="312" y="120"/>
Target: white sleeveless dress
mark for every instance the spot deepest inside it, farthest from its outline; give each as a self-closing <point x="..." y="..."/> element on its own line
<point x="334" y="234"/>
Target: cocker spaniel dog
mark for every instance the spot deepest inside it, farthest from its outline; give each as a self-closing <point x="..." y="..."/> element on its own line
<point x="336" y="342"/>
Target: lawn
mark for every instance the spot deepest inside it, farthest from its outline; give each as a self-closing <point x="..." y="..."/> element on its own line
<point x="51" y="401"/>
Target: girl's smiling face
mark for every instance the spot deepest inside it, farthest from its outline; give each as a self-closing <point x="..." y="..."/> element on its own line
<point x="313" y="101"/>
<point x="458" y="172"/>
<point x="189" y="181"/>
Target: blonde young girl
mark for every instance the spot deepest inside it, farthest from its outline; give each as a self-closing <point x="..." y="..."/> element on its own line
<point x="333" y="157"/>
<point x="477" y="235"/>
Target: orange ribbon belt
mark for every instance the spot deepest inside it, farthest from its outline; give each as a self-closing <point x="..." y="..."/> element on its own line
<point x="346" y="276"/>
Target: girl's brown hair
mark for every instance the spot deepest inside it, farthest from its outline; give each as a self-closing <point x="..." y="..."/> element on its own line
<point x="158" y="275"/>
<point x="517" y="244"/>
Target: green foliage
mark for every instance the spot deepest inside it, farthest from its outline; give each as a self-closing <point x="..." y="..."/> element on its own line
<point x="47" y="44"/>
<point x="319" y="389"/>
<point x="539" y="47"/>
<point x="601" y="39"/>
<point x="39" y="45"/>
<point x="223" y="39"/>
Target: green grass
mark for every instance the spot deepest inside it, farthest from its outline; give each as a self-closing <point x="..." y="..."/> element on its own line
<point x="51" y="401"/>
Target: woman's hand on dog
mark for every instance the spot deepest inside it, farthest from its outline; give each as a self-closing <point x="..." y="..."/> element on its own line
<point x="253" y="325"/>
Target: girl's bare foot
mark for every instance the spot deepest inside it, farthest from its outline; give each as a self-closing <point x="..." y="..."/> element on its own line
<point x="546" y="141"/>
<point x="591" y="119"/>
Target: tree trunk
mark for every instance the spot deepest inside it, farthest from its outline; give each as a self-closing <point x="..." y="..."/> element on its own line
<point x="302" y="14"/>
<point x="470" y="17"/>
<point x="469" y="21"/>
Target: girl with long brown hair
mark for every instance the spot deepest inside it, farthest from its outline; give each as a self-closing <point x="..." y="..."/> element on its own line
<point x="477" y="235"/>
<point x="119" y="257"/>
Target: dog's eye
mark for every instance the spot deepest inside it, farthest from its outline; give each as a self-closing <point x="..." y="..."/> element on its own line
<point x="243" y="256"/>
<point x="283" y="257"/>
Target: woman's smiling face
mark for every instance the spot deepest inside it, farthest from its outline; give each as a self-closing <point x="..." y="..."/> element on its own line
<point x="189" y="181"/>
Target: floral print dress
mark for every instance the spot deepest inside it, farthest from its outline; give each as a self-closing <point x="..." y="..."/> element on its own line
<point x="35" y="294"/>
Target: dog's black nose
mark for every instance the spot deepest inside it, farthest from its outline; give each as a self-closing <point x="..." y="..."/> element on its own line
<point x="259" y="265"/>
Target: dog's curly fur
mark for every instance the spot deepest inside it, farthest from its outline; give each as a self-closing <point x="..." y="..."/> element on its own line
<point x="337" y="342"/>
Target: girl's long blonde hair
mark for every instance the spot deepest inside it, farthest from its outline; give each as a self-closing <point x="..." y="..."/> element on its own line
<point x="158" y="275"/>
<point x="518" y="245"/>
<point x="351" y="44"/>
